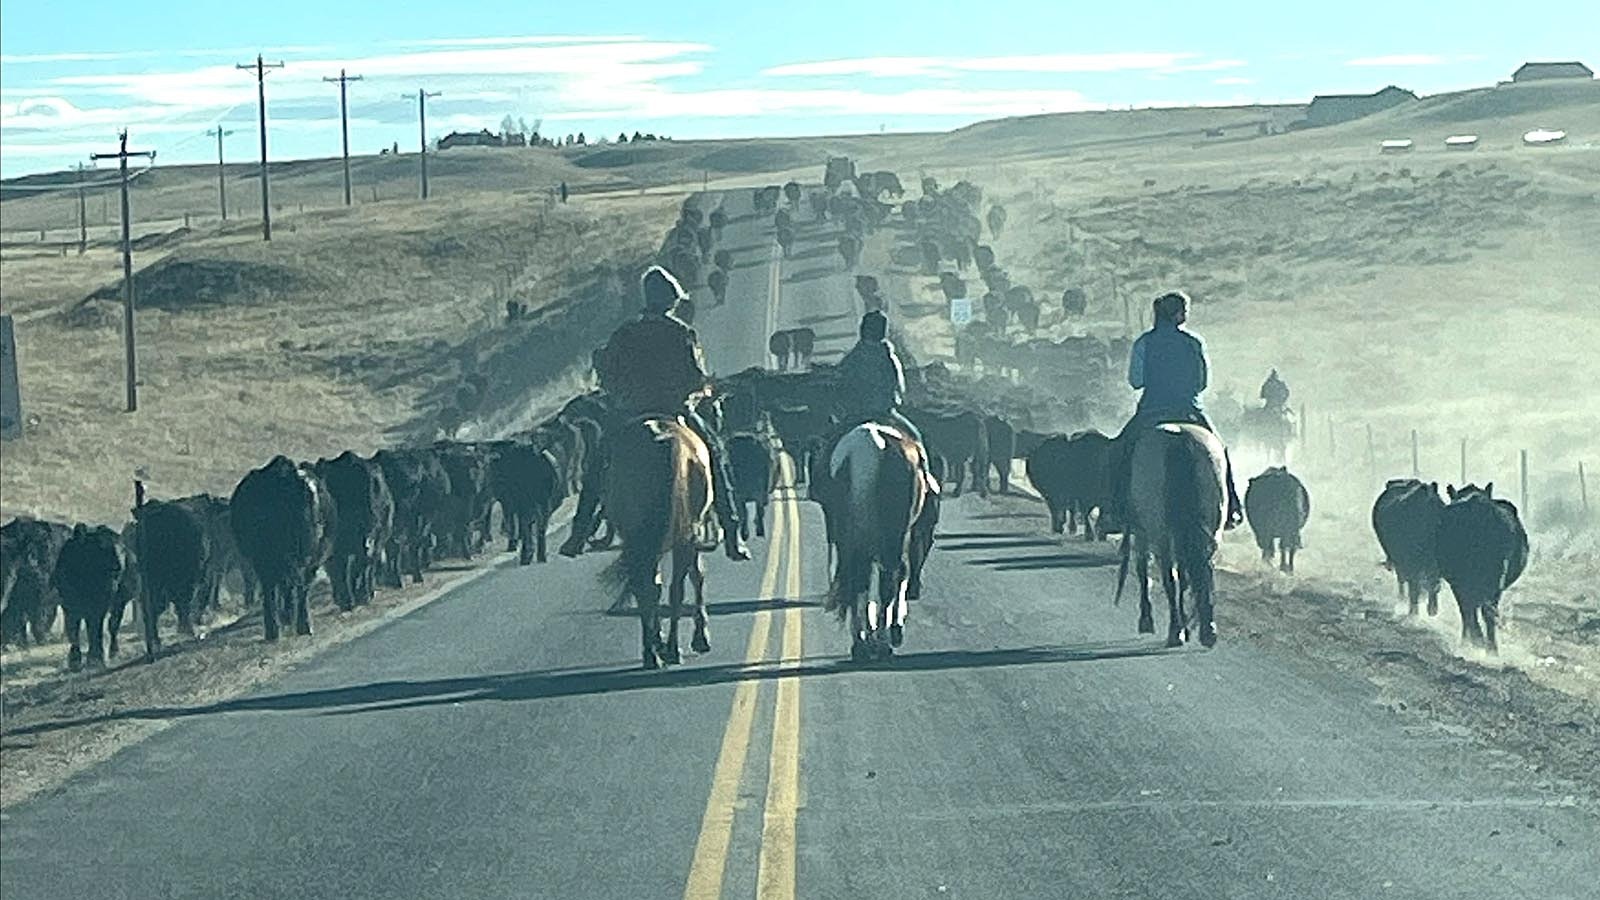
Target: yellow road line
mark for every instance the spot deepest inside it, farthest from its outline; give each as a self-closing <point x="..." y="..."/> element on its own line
<point x="775" y="877"/>
<point x="716" y="826"/>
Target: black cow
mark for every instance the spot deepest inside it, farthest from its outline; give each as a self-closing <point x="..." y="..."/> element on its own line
<point x="28" y="550"/>
<point x="173" y="540"/>
<point x="1073" y="474"/>
<point x="1405" y="518"/>
<point x="459" y="520"/>
<point x="528" y="482"/>
<point x="717" y="281"/>
<point x="750" y="463"/>
<point x="959" y="437"/>
<point x="802" y="342"/>
<point x="1483" y="550"/>
<point x="1277" y="505"/>
<point x="284" y="521"/>
<point x="364" y="520"/>
<point x="1002" y="449"/>
<point x="419" y="486"/>
<point x="95" y="577"/>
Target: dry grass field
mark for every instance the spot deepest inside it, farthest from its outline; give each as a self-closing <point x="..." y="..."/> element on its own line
<point x="351" y="329"/>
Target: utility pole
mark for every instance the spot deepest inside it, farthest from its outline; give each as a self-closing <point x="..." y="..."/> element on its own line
<point x="344" y="126"/>
<point x="222" y="184"/>
<point x="261" y="68"/>
<point x="422" y="124"/>
<point x="83" y="218"/>
<point x="121" y="156"/>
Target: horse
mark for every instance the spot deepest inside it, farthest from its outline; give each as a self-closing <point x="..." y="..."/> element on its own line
<point x="1177" y="504"/>
<point x="879" y="496"/>
<point x="1272" y="429"/>
<point x="658" y="490"/>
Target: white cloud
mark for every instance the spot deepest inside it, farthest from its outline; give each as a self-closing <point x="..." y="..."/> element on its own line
<point x="661" y="104"/>
<point x="1400" y="59"/>
<point x="926" y="66"/>
<point x="1213" y="65"/>
<point x="82" y="56"/>
<point x="517" y="41"/>
<point x="1232" y="79"/>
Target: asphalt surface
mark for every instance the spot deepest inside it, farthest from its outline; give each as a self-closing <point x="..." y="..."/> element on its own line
<point x="501" y="743"/>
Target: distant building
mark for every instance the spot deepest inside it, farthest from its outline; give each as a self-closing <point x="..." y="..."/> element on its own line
<point x="1540" y="71"/>
<point x="1330" y="109"/>
<point x="484" y="138"/>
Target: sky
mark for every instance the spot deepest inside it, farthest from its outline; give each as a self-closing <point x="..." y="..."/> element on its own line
<point x="73" y="75"/>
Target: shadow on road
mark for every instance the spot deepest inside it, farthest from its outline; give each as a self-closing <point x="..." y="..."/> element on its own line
<point x="810" y="274"/>
<point x="1046" y="561"/>
<point x="383" y="696"/>
<point x="726" y="608"/>
<point x="1016" y="543"/>
<point x="818" y="320"/>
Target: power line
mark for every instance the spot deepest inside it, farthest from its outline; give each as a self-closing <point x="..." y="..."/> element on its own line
<point x="344" y="126"/>
<point x="422" y="96"/>
<point x="261" y="68"/>
<point x="121" y="156"/>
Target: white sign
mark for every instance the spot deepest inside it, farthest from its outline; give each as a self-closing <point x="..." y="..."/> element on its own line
<point x="960" y="311"/>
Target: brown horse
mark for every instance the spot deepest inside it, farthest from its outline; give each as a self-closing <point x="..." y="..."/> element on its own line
<point x="658" y="490"/>
<point x="1178" y="501"/>
<point x="878" y="498"/>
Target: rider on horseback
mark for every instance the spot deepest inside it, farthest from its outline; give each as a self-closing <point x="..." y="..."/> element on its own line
<point x="873" y="385"/>
<point x="1169" y="365"/>
<point x="1274" y="393"/>
<point x="653" y="366"/>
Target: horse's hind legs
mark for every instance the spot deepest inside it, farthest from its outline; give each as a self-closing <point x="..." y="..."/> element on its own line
<point x="649" y="602"/>
<point x="1147" y="624"/>
<point x="701" y="642"/>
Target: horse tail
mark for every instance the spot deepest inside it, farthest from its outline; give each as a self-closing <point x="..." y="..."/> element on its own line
<point x="841" y="594"/>
<point x="645" y="538"/>
<point x="1186" y="530"/>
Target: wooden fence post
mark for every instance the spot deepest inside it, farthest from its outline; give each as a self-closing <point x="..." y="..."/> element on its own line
<point x="1416" y="462"/>
<point x="1523" y="459"/>
<point x="1332" y="443"/>
<point x="1305" y="424"/>
<point x="1463" y="461"/>
<point x="1583" y="488"/>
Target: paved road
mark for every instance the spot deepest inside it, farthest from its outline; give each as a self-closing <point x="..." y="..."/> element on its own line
<point x="501" y="744"/>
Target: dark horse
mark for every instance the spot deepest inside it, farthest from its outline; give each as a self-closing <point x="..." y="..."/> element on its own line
<point x="658" y="490"/>
<point x="1177" y="503"/>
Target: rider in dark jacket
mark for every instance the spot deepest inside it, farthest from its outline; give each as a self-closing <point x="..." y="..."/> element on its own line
<point x="873" y="382"/>
<point x="1169" y="365"/>
<point x="1274" y="393"/>
<point x="653" y="366"/>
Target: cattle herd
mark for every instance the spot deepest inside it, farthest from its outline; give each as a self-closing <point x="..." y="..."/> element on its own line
<point x="376" y="521"/>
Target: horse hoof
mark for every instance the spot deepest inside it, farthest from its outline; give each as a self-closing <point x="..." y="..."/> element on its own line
<point x="651" y="660"/>
<point x="671" y="656"/>
<point x="1147" y="626"/>
<point x="1208" y="635"/>
<point x="701" y="643"/>
<point x="882" y="652"/>
<point x="1175" y="639"/>
<point x="897" y="635"/>
<point x="860" y="652"/>
<point x="74" y="660"/>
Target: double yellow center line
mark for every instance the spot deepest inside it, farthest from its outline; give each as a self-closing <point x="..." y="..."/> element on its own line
<point x="775" y="874"/>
